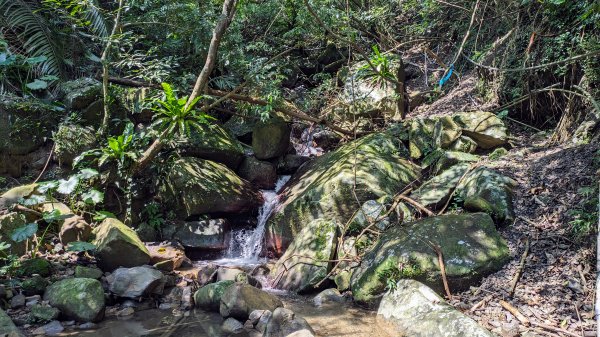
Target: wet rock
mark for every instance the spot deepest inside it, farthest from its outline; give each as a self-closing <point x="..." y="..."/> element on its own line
<point x="204" y="234"/>
<point x="239" y="300"/>
<point x="18" y="301"/>
<point x="32" y="300"/>
<point x="87" y="272"/>
<point x="114" y="241"/>
<point x="270" y="139"/>
<point x="209" y="296"/>
<point x="487" y="190"/>
<point x="305" y="262"/>
<point x="261" y="174"/>
<point x="206" y="274"/>
<point x="485" y="128"/>
<point x="81" y="299"/>
<point x="471" y="246"/>
<point x="43" y="313"/>
<point x="8" y="223"/>
<point x="328" y="295"/>
<point x="263" y="320"/>
<point x="135" y="282"/>
<point x="87" y="326"/>
<point x="128" y="311"/>
<point x="33" y="266"/>
<point x="34" y="286"/>
<point x="413" y="309"/>
<point x="232" y="326"/>
<point x="74" y="228"/>
<point x="435" y="192"/>
<point x="290" y="163"/>
<point x="213" y="143"/>
<point x="71" y="140"/>
<point x="194" y="186"/>
<point x="323" y="189"/>
<point x="53" y="328"/>
<point x="284" y="323"/>
<point x="228" y="273"/>
<point x="248" y="279"/>
<point x="166" y="256"/>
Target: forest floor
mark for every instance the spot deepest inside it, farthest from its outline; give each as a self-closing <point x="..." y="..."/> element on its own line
<point x="557" y="283"/>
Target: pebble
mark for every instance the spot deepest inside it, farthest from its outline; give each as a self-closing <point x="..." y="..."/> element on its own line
<point x="51" y="329"/>
<point x="86" y="326"/>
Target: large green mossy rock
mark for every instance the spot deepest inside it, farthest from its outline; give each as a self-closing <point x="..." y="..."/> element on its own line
<point x="240" y="299"/>
<point x="471" y="246"/>
<point x="306" y="261"/>
<point x="325" y="188"/>
<point x="487" y="190"/>
<point x="8" y="223"/>
<point x="7" y="327"/>
<point x="426" y="135"/>
<point x="485" y="128"/>
<point x="195" y="186"/>
<point x="271" y="139"/>
<point x="435" y="192"/>
<point x="70" y="140"/>
<point x="118" y="246"/>
<point x="81" y="299"/>
<point x="211" y="142"/>
<point x="209" y="296"/>
<point x="25" y="124"/>
<point x="413" y="309"/>
<point x="80" y="93"/>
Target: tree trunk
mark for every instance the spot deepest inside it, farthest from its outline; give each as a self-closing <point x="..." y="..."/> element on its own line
<point x="227" y="14"/>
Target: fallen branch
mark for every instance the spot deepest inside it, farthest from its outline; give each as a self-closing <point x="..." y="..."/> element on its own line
<point x="440" y="256"/>
<point x="515" y="312"/>
<point x="417" y="205"/>
<point x="515" y="280"/>
<point x="480" y="303"/>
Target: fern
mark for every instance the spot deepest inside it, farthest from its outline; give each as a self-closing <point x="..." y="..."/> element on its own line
<point x="34" y="32"/>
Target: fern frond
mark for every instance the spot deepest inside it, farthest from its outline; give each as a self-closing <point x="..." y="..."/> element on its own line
<point x="94" y="16"/>
<point x="35" y="33"/>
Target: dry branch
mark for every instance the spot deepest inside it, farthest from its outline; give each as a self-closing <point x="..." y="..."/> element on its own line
<point x="515" y="280"/>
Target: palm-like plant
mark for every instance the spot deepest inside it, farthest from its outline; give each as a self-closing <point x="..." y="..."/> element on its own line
<point x="173" y="115"/>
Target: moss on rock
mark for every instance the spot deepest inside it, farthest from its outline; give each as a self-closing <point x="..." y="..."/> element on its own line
<point x="81" y="299"/>
<point x="114" y="241"/>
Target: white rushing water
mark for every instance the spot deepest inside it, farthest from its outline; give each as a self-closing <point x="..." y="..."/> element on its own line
<point x="246" y="244"/>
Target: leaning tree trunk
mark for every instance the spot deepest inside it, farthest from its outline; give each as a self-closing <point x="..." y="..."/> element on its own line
<point x="227" y="14"/>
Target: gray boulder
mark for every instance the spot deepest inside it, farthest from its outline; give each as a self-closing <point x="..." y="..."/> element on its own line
<point x="240" y="299"/>
<point x="70" y="140"/>
<point x="135" y="282"/>
<point x="435" y="192"/>
<point x="487" y="190"/>
<point x="471" y="246"/>
<point x="261" y="174"/>
<point x="209" y="296"/>
<point x="285" y="323"/>
<point x="118" y="246"/>
<point x="485" y="128"/>
<point x="80" y="299"/>
<point x="270" y="139"/>
<point x="232" y="326"/>
<point x="413" y="309"/>
<point x="204" y="234"/>
<point x="195" y="186"/>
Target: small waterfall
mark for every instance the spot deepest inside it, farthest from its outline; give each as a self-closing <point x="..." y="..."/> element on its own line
<point x="246" y="244"/>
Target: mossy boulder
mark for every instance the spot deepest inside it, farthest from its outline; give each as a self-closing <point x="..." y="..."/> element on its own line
<point x="240" y="299"/>
<point x="80" y="93"/>
<point x="80" y="299"/>
<point x="209" y="296"/>
<point x="70" y="140"/>
<point x="306" y="261"/>
<point x="485" y="128"/>
<point x="271" y="139"/>
<point x="33" y="266"/>
<point x="324" y="188"/>
<point x="7" y="327"/>
<point x="487" y="190"/>
<point x="471" y="246"/>
<point x="8" y="223"/>
<point x="34" y="285"/>
<point x="211" y="142"/>
<point x="435" y="192"/>
<point x="195" y="186"/>
<point x="426" y="135"/>
<point x="43" y="314"/>
<point x="413" y="309"/>
<point x="87" y="272"/>
<point x="118" y="246"/>
<point x="261" y="174"/>
<point x="463" y="144"/>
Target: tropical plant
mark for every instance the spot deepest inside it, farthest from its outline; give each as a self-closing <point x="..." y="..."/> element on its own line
<point x="383" y="69"/>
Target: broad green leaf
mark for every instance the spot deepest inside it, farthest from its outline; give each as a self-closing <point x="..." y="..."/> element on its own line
<point x="101" y="215"/>
<point x="33" y="200"/>
<point x="92" y="197"/>
<point x="25" y="232"/>
<point x="88" y="173"/>
<point x="80" y="246"/>
<point x="37" y="85"/>
<point x="68" y="186"/>
<point x="46" y="186"/>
